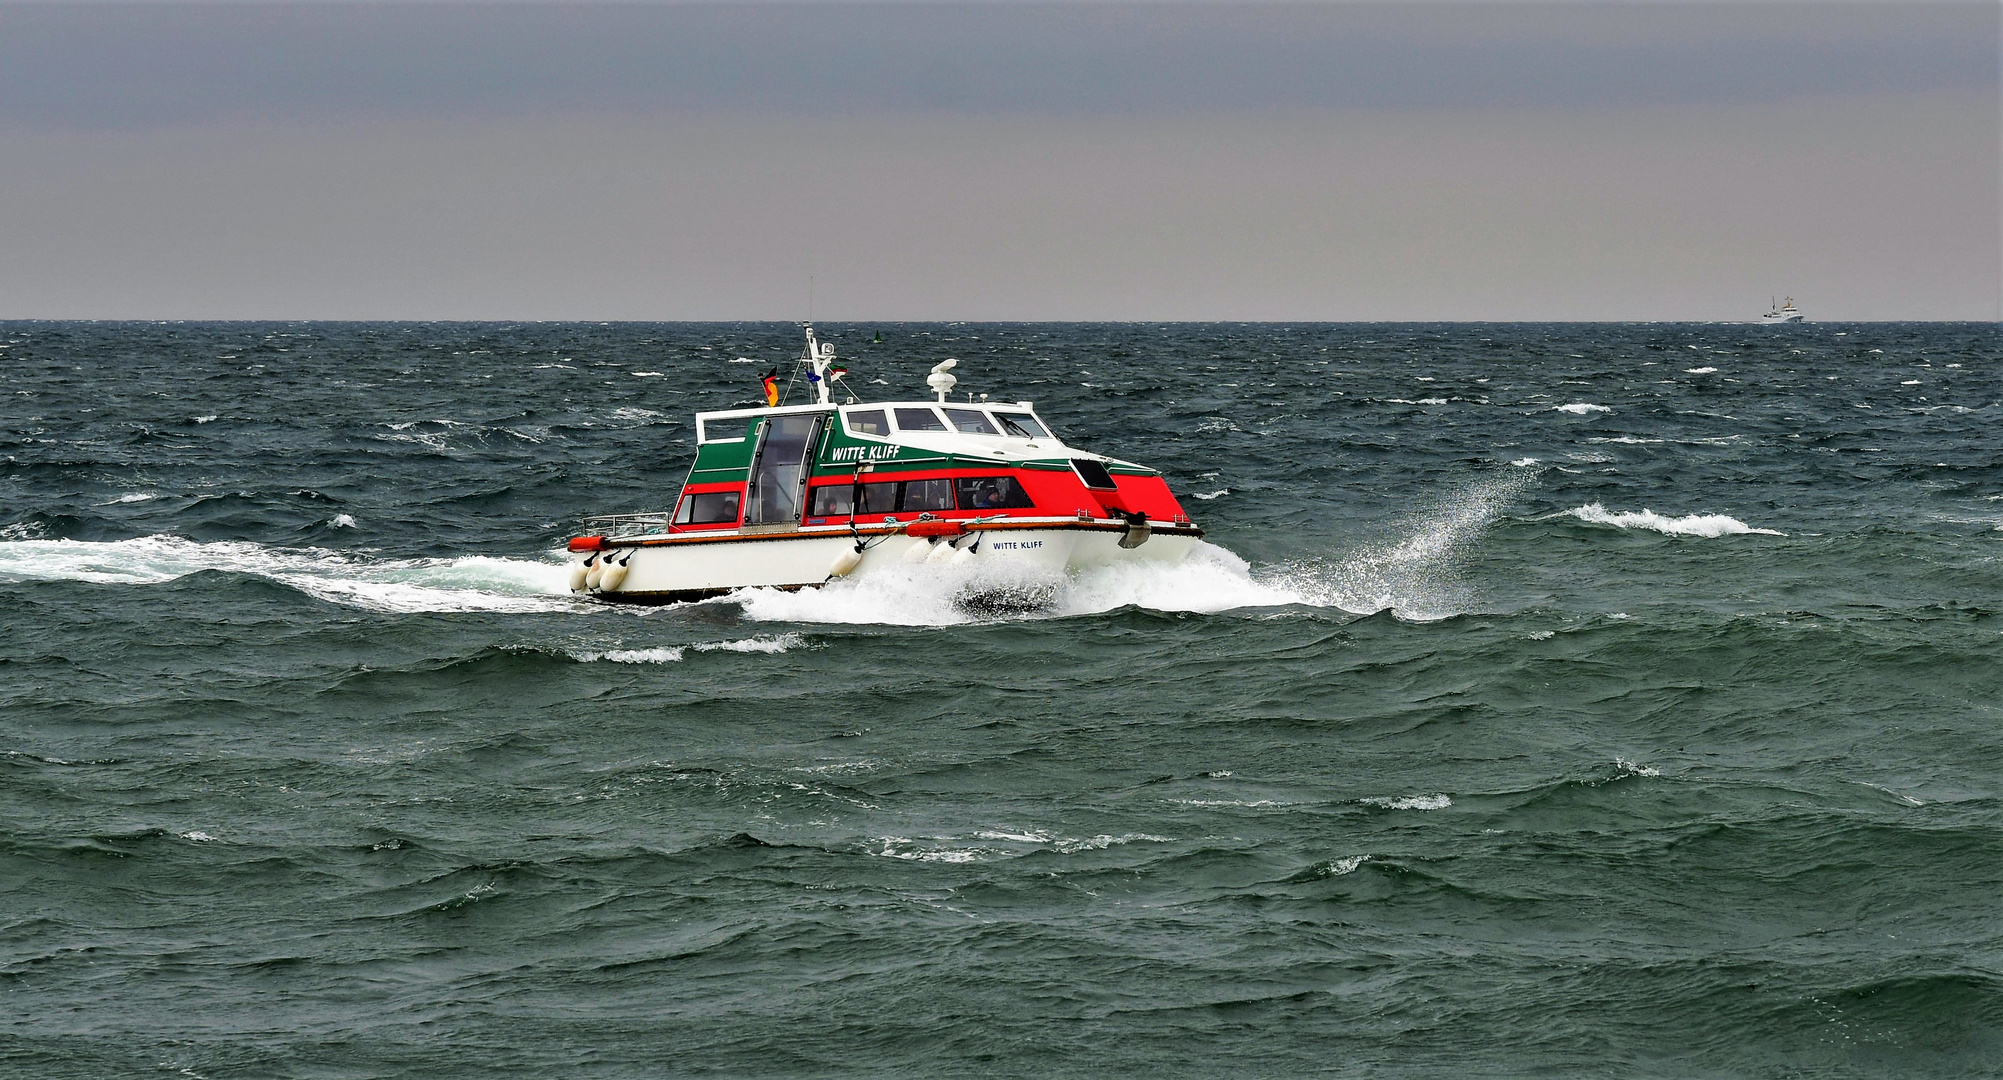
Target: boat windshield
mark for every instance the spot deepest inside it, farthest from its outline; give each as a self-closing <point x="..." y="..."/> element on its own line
<point x="918" y="420"/>
<point x="972" y="421"/>
<point x="1021" y="425"/>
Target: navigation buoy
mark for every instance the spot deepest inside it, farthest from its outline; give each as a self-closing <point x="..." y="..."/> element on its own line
<point x="845" y="563"/>
<point x="577" y="575"/>
<point x="614" y="575"/>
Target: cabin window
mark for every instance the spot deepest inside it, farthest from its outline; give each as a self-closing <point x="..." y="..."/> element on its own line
<point x="831" y="501"/>
<point x="992" y="493"/>
<point x="880" y="497"/>
<point x="885" y="497"/>
<point x="868" y="422"/>
<point x="927" y="495"/>
<point x="919" y="420"/>
<point x="1094" y="474"/>
<point x="1021" y="425"/>
<point x="972" y="421"/>
<point x="708" y="508"/>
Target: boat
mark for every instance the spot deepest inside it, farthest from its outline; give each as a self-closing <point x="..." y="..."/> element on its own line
<point x="795" y="496"/>
<point x="1784" y="312"/>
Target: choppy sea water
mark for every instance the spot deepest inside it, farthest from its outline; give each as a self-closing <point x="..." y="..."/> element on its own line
<point x="1552" y="700"/>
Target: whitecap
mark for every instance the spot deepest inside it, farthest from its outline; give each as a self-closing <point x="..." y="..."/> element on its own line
<point x="342" y="521"/>
<point x="1524" y="462"/>
<point x="1206" y="496"/>
<point x="1409" y="802"/>
<point x="1104" y="841"/>
<point x="1581" y="408"/>
<point x="1699" y="370"/>
<point x="1338" y="867"/>
<point x="652" y="375"/>
<point x="667" y="654"/>
<point x="670" y="654"/>
<point x="205" y="419"/>
<point x="1705" y="525"/>
<point x="752" y="645"/>
<point x="898" y="847"/>
<point x="1026" y="838"/>
<point x="131" y="497"/>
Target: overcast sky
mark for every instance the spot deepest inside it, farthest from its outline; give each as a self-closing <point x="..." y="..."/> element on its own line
<point x="1003" y="160"/>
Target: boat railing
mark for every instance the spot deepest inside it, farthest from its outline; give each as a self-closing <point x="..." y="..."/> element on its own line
<point x="629" y="523"/>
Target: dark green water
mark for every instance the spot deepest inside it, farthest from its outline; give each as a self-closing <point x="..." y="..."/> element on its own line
<point x="1560" y="701"/>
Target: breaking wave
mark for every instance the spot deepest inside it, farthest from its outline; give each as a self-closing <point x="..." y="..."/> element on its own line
<point x="469" y="583"/>
<point x="1705" y="525"/>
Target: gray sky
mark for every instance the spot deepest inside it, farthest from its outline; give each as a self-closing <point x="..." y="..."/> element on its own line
<point x="1011" y="160"/>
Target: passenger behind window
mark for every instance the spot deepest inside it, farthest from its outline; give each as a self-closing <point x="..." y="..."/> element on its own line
<point x="880" y="497"/>
<point x="708" y="508"/>
<point x="831" y="501"/>
<point x="927" y="495"/>
<point x="993" y="493"/>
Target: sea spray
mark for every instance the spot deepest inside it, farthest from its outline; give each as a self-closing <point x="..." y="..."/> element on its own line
<point x="1416" y="573"/>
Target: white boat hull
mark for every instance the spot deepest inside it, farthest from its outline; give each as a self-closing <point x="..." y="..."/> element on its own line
<point x="659" y="571"/>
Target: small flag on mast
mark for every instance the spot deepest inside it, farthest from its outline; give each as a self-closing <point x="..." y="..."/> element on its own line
<point x="772" y="387"/>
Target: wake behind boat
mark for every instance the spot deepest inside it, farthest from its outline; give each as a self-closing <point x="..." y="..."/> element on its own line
<point x="794" y="496"/>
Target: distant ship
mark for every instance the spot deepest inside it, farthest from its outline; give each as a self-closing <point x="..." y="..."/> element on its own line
<point x="1786" y="312"/>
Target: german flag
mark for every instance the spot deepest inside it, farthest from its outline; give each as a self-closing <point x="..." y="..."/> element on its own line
<point x="772" y="387"/>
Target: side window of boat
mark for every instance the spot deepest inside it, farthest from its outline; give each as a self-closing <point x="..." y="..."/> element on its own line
<point x="992" y="493"/>
<point x="868" y="422"/>
<point x="1021" y="425"/>
<point x="927" y="495"/>
<point x="972" y="421"/>
<point x="919" y="420"/>
<point x="831" y="500"/>
<point x="880" y="497"/>
<point x="708" y="508"/>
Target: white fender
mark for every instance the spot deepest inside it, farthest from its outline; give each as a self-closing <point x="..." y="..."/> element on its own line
<point x="845" y="563"/>
<point x="577" y="574"/>
<point x="593" y="575"/>
<point x="614" y="576"/>
<point x="965" y="555"/>
<point x="940" y="553"/>
<point x="919" y="550"/>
